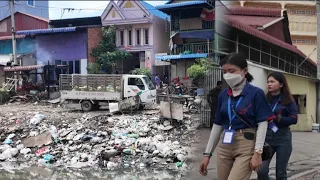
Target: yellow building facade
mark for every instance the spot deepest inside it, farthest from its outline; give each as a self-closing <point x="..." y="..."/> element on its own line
<point x="304" y="91"/>
<point x="302" y="20"/>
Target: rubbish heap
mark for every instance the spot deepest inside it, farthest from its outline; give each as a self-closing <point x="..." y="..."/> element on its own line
<point x="62" y="138"/>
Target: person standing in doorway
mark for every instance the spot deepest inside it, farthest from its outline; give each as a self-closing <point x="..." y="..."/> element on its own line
<point x="279" y="136"/>
<point x="157" y="80"/>
<point x="241" y="121"/>
<point x="212" y="100"/>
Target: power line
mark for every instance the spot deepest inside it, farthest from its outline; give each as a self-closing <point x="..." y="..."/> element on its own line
<point x="96" y="9"/>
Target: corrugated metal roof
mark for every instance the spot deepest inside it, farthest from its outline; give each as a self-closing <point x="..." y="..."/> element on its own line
<point x="46" y="31"/>
<point x="187" y="3"/>
<point x="253" y="11"/>
<point x="10" y="37"/>
<point x="23" y="68"/>
<point x="180" y="56"/>
<point x="154" y="11"/>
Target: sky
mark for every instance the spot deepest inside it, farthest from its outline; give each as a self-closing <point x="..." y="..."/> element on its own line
<point x="82" y="8"/>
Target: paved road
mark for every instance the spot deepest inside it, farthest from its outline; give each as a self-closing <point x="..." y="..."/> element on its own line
<point x="305" y="156"/>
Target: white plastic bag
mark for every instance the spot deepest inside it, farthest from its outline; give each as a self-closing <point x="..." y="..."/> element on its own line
<point x="37" y="119"/>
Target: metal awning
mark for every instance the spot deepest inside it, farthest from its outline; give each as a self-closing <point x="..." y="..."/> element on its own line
<point x="23" y="68"/>
<point x="46" y="31"/>
<point x="181" y="4"/>
<point x="181" y="56"/>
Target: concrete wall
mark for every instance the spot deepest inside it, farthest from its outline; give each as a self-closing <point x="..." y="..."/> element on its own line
<point x="260" y="76"/>
<point x="304" y="86"/>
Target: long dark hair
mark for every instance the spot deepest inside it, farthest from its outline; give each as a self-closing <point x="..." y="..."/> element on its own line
<point x="239" y="60"/>
<point x="287" y="97"/>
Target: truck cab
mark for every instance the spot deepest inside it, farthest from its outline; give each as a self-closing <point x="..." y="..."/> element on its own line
<point x="133" y="84"/>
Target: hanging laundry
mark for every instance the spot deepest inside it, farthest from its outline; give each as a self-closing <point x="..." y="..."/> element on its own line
<point x="208" y="14"/>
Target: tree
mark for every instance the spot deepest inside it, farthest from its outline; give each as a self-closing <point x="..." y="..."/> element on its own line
<point x="142" y="71"/>
<point x="106" y="54"/>
<point x="198" y="70"/>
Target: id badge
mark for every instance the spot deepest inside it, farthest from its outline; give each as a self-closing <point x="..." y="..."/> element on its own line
<point x="228" y="137"/>
<point x="273" y="127"/>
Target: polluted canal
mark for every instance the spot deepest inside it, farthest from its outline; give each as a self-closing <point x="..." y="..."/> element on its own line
<point x="50" y="142"/>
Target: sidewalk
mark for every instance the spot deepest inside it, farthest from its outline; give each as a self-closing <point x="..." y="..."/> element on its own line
<point x="305" y="155"/>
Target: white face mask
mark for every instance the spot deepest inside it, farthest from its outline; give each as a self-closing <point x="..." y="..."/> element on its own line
<point x="232" y="79"/>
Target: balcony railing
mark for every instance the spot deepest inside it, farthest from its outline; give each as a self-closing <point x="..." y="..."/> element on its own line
<point x="194" y="48"/>
<point x="175" y="26"/>
<point x="279" y="59"/>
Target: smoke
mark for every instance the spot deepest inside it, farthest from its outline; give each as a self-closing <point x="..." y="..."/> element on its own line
<point x="43" y="56"/>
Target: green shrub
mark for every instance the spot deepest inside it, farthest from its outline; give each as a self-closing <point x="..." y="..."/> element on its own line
<point x="142" y="71"/>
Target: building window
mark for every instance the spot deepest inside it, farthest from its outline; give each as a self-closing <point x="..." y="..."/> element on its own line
<point x="301" y="101"/>
<point x="146" y="36"/>
<point x="130" y="37"/>
<point x="74" y="67"/>
<point x="303" y="12"/>
<point x="121" y="38"/>
<point x="30" y="2"/>
<point x="304" y="41"/>
<point x="138" y="36"/>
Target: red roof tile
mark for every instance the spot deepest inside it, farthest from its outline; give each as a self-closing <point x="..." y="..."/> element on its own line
<point x="10" y="37"/>
<point x="253" y="21"/>
<point x="261" y="35"/>
<point x="253" y="11"/>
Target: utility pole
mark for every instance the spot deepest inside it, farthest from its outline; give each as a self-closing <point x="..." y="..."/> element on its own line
<point x="318" y="59"/>
<point x="14" y="43"/>
<point x="13" y="30"/>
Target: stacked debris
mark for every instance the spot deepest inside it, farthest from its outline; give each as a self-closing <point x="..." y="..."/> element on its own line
<point x="72" y="139"/>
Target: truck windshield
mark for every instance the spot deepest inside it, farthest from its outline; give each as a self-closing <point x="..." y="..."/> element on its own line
<point x="149" y="83"/>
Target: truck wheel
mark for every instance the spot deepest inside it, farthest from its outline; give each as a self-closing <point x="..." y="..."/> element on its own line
<point x="141" y="107"/>
<point x="86" y="106"/>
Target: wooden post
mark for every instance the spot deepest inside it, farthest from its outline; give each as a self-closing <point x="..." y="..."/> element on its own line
<point x="168" y="97"/>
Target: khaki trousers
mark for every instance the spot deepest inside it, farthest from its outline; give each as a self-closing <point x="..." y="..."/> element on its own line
<point x="233" y="160"/>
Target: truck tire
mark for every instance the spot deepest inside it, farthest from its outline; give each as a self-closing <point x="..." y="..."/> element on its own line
<point x="86" y="106"/>
<point x="141" y="107"/>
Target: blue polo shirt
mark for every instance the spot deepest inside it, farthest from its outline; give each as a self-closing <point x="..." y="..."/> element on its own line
<point x="289" y="113"/>
<point x="253" y="108"/>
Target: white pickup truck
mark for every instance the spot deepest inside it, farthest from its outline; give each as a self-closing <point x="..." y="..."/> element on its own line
<point x="95" y="90"/>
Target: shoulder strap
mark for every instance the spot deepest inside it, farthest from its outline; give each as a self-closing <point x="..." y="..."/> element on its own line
<point x="234" y="112"/>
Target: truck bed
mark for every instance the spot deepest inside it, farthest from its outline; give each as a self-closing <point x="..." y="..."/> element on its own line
<point x="92" y="86"/>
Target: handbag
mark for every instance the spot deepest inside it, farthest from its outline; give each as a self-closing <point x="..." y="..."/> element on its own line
<point x="267" y="149"/>
<point x="267" y="152"/>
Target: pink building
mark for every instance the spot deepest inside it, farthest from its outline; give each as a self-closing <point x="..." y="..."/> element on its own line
<point x="141" y="30"/>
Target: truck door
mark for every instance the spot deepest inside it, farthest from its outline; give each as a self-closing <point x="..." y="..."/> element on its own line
<point x="133" y="86"/>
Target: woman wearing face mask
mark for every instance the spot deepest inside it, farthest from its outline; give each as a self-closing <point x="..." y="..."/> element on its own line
<point x="241" y="122"/>
<point x="279" y="136"/>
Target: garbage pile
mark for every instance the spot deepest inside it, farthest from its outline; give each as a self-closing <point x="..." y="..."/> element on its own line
<point x="72" y="139"/>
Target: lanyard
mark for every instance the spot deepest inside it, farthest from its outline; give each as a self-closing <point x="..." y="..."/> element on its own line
<point x="274" y="107"/>
<point x="229" y="110"/>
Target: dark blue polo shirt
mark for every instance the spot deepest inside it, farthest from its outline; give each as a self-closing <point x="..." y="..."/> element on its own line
<point x="254" y="108"/>
<point x="288" y="112"/>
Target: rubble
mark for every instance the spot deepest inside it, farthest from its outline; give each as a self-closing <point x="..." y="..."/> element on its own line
<point x="46" y="135"/>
